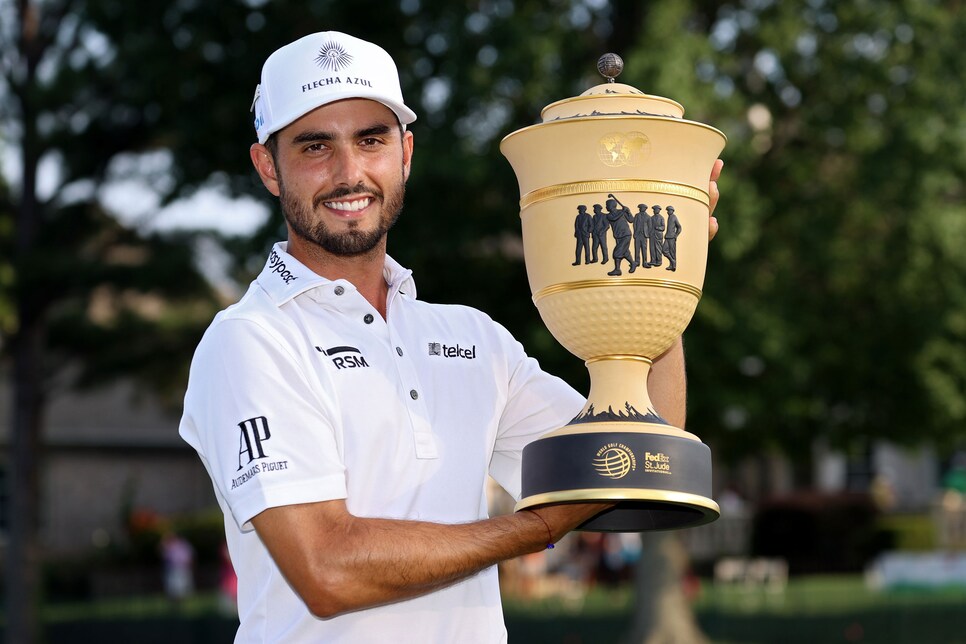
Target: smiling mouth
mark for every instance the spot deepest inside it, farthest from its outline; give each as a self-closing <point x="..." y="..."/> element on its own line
<point x="355" y="205"/>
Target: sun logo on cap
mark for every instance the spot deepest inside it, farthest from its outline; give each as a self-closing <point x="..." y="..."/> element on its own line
<point x="333" y="57"/>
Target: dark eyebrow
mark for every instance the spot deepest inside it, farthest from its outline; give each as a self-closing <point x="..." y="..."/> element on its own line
<point x="375" y="130"/>
<point x="311" y="136"/>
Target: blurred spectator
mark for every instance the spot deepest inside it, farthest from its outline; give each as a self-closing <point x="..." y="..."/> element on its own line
<point x="533" y="569"/>
<point x="620" y="552"/>
<point x="883" y="493"/>
<point x="587" y="555"/>
<point x="731" y="502"/>
<point x="955" y="478"/>
<point x="178" y="558"/>
<point x="951" y="516"/>
<point x="227" y="583"/>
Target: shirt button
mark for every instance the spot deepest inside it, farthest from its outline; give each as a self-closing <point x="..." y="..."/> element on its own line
<point x="368" y="319"/>
<point x="339" y="290"/>
<point x="399" y="351"/>
<point x="413" y="394"/>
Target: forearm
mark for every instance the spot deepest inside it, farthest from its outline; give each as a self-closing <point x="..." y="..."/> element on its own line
<point x="667" y="382"/>
<point x="392" y="560"/>
<point x="667" y="385"/>
<point x="339" y="563"/>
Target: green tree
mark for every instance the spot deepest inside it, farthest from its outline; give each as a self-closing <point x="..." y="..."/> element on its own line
<point x="83" y="299"/>
<point x="836" y="302"/>
<point x="835" y="299"/>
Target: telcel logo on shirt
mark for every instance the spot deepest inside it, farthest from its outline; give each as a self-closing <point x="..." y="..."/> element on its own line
<point x="447" y="351"/>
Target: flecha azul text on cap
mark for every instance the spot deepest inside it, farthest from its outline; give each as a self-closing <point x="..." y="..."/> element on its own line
<point x="335" y="80"/>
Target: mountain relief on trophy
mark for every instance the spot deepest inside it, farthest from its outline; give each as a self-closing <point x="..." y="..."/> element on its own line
<point x="628" y="414"/>
<point x="643" y="239"/>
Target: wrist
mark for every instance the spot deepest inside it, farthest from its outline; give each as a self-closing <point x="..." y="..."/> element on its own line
<point x="549" y="532"/>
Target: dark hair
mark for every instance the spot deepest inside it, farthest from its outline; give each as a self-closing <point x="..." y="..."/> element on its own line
<point x="272" y="144"/>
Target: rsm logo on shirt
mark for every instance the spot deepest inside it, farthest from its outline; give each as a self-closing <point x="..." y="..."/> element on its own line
<point x="346" y="361"/>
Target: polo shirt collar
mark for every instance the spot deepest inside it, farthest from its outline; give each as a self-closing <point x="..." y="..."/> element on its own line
<point x="283" y="277"/>
<point x="399" y="279"/>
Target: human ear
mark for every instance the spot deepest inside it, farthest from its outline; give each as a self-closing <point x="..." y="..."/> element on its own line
<point x="407" y="146"/>
<point x="265" y="167"/>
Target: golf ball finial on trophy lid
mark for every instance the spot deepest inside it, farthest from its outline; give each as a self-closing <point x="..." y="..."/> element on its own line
<point x="614" y="210"/>
<point x="610" y="66"/>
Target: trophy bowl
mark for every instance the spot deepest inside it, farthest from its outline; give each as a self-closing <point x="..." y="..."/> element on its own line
<point x="614" y="210"/>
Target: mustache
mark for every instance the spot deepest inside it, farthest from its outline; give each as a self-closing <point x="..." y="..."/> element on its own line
<point x="345" y="191"/>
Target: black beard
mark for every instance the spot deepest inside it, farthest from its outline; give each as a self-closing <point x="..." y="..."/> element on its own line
<point x="353" y="241"/>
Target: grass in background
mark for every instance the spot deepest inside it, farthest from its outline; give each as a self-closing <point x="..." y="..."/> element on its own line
<point x="811" y="609"/>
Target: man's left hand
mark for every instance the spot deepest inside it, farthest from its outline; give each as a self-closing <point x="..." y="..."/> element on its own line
<point x="713" y="192"/>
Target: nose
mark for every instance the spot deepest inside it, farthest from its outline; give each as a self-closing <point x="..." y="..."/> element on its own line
<point x="349" y="168"/>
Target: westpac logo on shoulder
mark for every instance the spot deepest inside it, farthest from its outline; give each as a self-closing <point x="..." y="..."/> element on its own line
<point x="277" y="266"/>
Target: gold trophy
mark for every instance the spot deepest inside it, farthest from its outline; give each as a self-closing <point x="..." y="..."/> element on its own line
<point x="614" y="208"/>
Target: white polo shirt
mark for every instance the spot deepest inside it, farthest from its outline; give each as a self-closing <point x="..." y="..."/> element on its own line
<point x="301" y="392"/>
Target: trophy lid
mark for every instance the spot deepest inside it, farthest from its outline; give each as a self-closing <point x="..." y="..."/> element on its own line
<point x="612" y="98"/>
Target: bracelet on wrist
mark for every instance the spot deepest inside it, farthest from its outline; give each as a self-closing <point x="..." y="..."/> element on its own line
<point x="547" y="526"/>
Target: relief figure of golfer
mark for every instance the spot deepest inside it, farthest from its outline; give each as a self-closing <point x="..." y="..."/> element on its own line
<point x="671" y="239"/>
<point x="620" y="219"/>
<point x="583" y="226"/>
<point x="601" y="226"/>
<point x="657" y="236"/>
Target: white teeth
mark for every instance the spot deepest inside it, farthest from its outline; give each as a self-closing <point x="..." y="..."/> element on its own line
<point x="349" y="206"/>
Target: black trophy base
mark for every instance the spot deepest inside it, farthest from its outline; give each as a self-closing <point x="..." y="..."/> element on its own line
<point x="659" y="481"/>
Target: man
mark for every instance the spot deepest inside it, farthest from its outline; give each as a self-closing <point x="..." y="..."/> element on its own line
<point x="347" y="426"/>
<point x="601" y="226"/>
<point x="583" y="226"/>
<point x="620" y="218"/>
<point x="657" y="236"/>
<point x="671" y="234"/>
<point x="642" y="222"/>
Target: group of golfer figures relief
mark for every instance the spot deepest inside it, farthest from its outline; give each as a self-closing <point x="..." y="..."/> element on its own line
<point x="651" y="236"/>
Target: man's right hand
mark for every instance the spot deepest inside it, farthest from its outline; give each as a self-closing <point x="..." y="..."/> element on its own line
<point x="561" y="518"/>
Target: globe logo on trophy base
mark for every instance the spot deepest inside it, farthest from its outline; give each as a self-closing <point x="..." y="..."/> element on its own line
<point x="614" y="212"/>
<point x="615" y="461"/>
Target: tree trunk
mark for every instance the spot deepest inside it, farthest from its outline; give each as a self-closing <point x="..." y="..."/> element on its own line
<point x="663" y="613"/>
<point x="23" y="560"/>
<point x="22" y="557"/>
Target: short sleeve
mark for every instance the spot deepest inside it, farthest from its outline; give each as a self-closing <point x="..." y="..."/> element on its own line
<point x="264" y="431"/>
<point x="536" y="403"/>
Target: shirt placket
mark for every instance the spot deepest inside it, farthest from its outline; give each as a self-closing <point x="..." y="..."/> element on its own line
<point x="424" y="439"/>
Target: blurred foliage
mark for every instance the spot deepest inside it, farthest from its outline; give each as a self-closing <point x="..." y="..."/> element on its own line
<point x="112" y="301"/>
<point x="835" y="302"/>
<point x="836" y="294"/>
<point x="819" y="533"/>
<point x="916" y="532"/>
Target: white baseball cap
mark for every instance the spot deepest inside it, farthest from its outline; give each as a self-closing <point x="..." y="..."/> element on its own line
<point x="320" y="69"/>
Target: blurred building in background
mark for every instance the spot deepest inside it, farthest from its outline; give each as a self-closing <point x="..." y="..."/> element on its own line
<point x="109" y="455"/>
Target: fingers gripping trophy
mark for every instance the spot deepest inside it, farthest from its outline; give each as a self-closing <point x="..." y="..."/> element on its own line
<point x="622" y="172"/>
